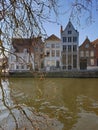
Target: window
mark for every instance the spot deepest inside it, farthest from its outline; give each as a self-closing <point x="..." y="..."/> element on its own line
<point x="64" y="39"/>
<point x="74" y="39"/>
<point x="12" y="67"/>
<point x="69" y="59"/>
<point x="57" y="53"/>
<point x="74" y="61"/>
<point x="52" y="45"/>
<point x="64" y="59"/>
<point x="57" y="45"/>
<point x="64" y="47"/>
<point x="87" y="53"/>
<point x="69" y="39"/>
<point x="47" y="53"/>
<point x="22" y="66"/>
<point x="69" y="48"/>
<point x="74" y="48"/>
<point x="52" y="63"/>
<point x="69" y="67"/>
<point x="69" y="32"/>
<point x="92" y="53"/>
<point x="47" y="45"/>
<point x="57" y="64"/>
<point x="69" y="25"/>
<point x="92" y="61"/>
<point x="81" y="53"/>
<point x="17" y="67"/>
<point x="48" y="63"/>
<point x="87" y="45"/>
<point x="53" y="53"/>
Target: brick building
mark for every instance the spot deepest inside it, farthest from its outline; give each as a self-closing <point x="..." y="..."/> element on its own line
<point x="87" y="55"/>
<point x="95" y="44"/>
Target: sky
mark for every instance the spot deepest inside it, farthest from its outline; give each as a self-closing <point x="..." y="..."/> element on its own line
<point x="85" y="28"/>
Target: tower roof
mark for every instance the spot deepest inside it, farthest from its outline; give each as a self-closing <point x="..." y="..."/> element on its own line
<point x="69" y="26"/>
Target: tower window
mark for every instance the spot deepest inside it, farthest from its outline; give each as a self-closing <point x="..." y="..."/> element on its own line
<point x="74" y="48"/>
<point x="69" y="48"/>
<point x="64" y="47"/>
<point x="69" y="39"/>
<point x="74" y="39"/>
<point x="69" y="32"/>
<point x="64" y="39"/>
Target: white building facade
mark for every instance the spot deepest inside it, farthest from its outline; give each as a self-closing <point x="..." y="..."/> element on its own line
<point x="52" y="51"/>
<point x="20" y="59"/>
<point x="70" y="47"/>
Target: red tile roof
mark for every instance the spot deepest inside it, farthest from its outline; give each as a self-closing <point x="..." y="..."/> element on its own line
<point x="53" y="38"/>
<point x="20" y="44"/>
<point x="95" y="42"/>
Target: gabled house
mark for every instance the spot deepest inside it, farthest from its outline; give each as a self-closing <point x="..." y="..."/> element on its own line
<point x="52" y="49"/>
<point x="70" y="45"/>
<point x="87" y="55"/>
<point x="21" y="57"/>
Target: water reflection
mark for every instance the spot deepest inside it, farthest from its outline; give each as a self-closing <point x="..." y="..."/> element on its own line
<point x="70" y="101"/>
<point x="15" y="115"/>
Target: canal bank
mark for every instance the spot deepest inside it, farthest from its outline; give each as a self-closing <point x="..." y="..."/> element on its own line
<point x="60" y="74"/>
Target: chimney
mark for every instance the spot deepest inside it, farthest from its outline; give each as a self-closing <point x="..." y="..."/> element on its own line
<point x="61" y="29"/>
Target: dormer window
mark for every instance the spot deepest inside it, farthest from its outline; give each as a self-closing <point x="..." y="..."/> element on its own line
<point x="87" y="45"/>
<point x="64" y="39"/>
<point x="69" y="25"/>
<point x="69" y="32"/>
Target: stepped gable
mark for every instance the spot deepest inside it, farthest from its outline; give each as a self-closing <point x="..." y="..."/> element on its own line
<point x="53" y="38"/>
<point x="86" y="41"/>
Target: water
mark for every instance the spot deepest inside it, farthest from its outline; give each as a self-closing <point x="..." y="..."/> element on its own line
<point x="73" y="103"/>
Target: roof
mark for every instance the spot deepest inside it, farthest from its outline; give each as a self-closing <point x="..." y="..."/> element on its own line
<point x="21" y="41"/>
<point x="85" y="41"/>
<point x="69" y="26"/>
<point x="20" y="44"/>
<point x="95" y="42"/>
<point x="53" y="38"/>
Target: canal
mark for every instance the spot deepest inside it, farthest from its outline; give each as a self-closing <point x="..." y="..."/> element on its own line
<point x="68" y="103"/>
